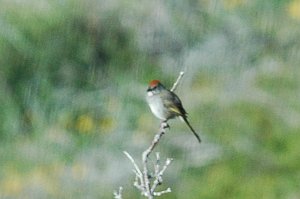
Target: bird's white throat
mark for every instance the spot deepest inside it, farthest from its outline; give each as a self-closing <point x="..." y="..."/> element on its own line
<point x="150" y="93"/>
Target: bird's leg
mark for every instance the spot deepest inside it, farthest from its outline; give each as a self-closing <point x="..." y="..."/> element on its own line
<point x="165" y="124"/>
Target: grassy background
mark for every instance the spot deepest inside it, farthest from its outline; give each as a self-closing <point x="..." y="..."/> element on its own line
<point x="73" y="76"/>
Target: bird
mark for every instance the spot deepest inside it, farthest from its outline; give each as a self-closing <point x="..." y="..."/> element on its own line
<point x="166" y="105"/>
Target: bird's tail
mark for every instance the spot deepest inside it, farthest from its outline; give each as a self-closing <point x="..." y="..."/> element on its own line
<point x="187" y="122"/>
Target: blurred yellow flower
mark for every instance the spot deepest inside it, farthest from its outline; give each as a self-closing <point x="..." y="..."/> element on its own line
<point x="12" y="185"/>
<point x="106" y="124"/>
<point x="294" y="9"/>
<point x="79" y="171"/>
<point x="231" y="4"/>
<point x="85" y="123"/>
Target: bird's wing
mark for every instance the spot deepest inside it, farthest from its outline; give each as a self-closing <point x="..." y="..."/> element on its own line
<point x="173" y="103"/>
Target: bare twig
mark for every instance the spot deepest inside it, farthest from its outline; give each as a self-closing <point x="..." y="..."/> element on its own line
<point x="155" y="141"/>
<point x="168" y="190"/>
<point x="142" y="178"/>
<point x="118" y="194"/>
<point x="159" y="173"/>
<point x="146" y="154"/>
<point x="177" y="81"/>
<point x="139" y="178"/>
<point x="133" y="162"/>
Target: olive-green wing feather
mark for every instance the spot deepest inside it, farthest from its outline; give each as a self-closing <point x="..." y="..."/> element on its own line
<point x="173" y="103"/>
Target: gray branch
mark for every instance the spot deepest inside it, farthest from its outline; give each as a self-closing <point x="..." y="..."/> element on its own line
<point x="144" y="182"/>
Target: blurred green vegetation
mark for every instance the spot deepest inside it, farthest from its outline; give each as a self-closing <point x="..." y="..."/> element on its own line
<point x="73" y="76"/>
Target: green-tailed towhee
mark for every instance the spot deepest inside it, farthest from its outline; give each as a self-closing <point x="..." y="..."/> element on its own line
<point x="165" y="104"/>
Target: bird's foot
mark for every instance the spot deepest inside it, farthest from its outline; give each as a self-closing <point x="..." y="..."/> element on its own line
<point x="165" y="125"/>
